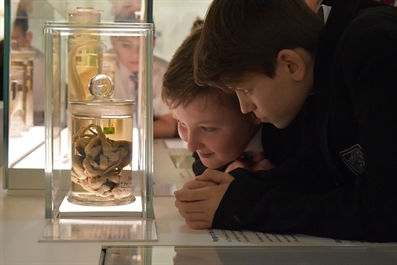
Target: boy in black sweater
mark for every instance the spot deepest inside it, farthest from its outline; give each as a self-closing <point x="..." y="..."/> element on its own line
<point x="210" y="121"/>
<point x="279" y="57"/>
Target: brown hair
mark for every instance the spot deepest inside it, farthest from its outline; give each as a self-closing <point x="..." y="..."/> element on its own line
<point x="22" y="21"/>
<point x="179" y="87"/>
<point x="197" y="24"/>
<point x="245" y="36"/>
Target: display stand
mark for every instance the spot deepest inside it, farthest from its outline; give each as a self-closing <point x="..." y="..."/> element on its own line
<point x="95" y="229"/>
<point x="64" y="218"/>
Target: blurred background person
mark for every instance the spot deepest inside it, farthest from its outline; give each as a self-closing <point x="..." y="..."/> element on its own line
<point x="21" y="39"/>
<point x="126" y="75"/>
<point x="127" y="10"/>
<point x="197" y="23"/>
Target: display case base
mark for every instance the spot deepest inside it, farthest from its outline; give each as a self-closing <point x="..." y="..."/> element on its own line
<point x="99" y="229"/>
<point x="68" y="209"/>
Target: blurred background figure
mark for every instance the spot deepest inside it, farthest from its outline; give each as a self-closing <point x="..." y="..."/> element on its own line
<point x="126" y="81"/>
<point x="21" y="39"/>
<point x="197" y="24"/>
<point x="127" y="10"/>
<point x="25" y="6"/>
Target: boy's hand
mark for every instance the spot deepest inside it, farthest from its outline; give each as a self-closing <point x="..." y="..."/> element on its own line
<point x="199" y="199"/>
<point x="196" y="184"/>
<point x="255" y="163"/>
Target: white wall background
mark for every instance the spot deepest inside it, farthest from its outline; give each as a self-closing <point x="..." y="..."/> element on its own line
<point x="173" y="19"/>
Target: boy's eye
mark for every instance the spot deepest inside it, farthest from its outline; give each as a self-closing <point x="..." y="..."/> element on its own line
<point x="126" y="46"/>
<point x="208" y="129"/>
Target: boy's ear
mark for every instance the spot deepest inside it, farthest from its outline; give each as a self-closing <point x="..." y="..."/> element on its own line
<point x="293" y="62"/>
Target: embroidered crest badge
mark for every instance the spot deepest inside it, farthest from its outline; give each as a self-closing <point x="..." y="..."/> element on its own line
<point x="354" y="159"/>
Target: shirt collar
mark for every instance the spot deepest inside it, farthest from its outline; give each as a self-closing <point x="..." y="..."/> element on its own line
<point x="323" y="11"/>
<point x="255" y="145"/>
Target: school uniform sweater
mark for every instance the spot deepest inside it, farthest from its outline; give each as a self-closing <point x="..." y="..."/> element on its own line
<point x="276" y="145"/>
<point x="354" y="125"/>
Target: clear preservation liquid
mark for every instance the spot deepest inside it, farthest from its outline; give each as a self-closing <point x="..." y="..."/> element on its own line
<point x="101" y="150"/>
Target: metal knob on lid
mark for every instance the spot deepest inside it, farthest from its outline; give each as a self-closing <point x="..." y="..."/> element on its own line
<point x="101" y="86"/>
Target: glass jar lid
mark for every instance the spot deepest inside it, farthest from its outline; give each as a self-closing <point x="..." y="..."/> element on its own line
<point x="100" y="103"/>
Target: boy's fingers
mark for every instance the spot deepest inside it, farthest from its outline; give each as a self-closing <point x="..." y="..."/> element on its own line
<point x="190" y="195"/>
<point x="197" y="184"/>
<point x="194" y="218"/>
<point x="215" y="176"/>
<point x="187" y="184"/>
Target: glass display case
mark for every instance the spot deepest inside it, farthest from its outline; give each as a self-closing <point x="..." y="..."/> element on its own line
<point x="91" y="137"/>
<point x="23" y="157"/>
<point x="23" y="167"/>
<point x="81" y="51"/>
<point x="103" y="146"/>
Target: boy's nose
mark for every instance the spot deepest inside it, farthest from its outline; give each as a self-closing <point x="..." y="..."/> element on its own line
<point x="246" y="107"/>
<point x="193" y="142"/>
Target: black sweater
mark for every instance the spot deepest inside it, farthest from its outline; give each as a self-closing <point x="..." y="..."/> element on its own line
<point x="354" y="117"/>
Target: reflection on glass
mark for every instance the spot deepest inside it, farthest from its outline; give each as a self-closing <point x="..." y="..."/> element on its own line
<point x="85" y="48"/>
<point x="243" y="255"/>
<point x="98" y="230"/>
<point x="130" y="256"/>
<point x="21" y="93"/>
<point x="109" y="65"/>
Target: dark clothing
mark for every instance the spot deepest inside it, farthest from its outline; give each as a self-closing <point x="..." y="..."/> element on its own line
<point x="277" y="145"/>
<point x="355" y="118"/>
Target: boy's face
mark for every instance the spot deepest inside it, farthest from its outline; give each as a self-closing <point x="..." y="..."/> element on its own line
<point x="127" y="49"/>
<point x="20" y="40"/>
<point x="217" y="133"/>
<point x="273" y="100"/>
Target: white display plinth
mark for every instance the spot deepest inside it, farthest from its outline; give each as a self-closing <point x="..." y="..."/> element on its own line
<point x="133" y="209"/>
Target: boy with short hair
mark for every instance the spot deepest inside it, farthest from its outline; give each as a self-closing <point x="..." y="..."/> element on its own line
<point x="278" y="57"/>
<point x="210" y="121"/>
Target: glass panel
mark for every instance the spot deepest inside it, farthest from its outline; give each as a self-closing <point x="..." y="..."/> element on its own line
<point x="24" y="170"/>
<point x="94" y="230"/>
<point x="23" y="156"/>
<point x="240" y="255"/>
<point x="37" y="155"/>
<point x="83" y="45"/>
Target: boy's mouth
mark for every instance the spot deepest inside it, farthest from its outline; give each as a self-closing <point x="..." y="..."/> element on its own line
<point x="265" y="120"/>
<point x="204" y="155"/>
